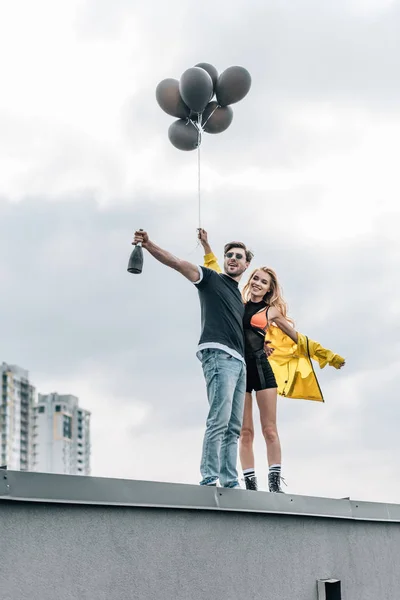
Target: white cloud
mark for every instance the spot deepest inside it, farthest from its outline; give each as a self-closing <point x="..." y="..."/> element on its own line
<point x="370" y="8"/>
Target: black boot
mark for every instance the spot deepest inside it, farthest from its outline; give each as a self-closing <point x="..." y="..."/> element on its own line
<point x="274" y="482"/>
<point x="251" y="482"/>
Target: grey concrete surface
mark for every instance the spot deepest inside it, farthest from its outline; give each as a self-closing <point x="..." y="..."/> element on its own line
<point x="42" y="487"/>
<point x="67" y="551"/>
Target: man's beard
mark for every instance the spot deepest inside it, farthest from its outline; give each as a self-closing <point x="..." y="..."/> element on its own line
<point x="237" y="273"/>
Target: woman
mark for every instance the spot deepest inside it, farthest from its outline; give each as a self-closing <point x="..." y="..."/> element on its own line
<point x="265" y="306"/>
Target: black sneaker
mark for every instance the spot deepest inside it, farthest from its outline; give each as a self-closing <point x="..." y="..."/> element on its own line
<point x="251" y="483"/>
<point x="274" y="482"/>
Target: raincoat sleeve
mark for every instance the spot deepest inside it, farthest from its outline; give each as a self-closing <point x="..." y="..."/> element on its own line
<point x="211" y="262"/>
<point x="318" y="353"/>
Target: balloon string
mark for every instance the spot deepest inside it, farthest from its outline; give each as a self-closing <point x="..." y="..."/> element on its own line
<point x="199" y="132"/>
<point x="200" y="128"/>
<point x="209" y="116"/>
<point x="199" y="180"/>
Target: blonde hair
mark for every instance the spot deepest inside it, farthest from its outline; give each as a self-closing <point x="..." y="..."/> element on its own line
<point x="274" y="296"/>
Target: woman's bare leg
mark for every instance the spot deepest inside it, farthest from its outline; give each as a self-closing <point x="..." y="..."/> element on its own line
<point x="267" y="401"/>
<point x="247" y="435"/>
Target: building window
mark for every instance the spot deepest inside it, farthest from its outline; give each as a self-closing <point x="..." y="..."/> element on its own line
<point x="58" y="408"/>
<point x="41" y="409"/>
<point x="67" y="427"/>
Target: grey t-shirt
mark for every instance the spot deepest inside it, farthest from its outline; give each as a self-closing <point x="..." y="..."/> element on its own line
<point x="222" y="313"/>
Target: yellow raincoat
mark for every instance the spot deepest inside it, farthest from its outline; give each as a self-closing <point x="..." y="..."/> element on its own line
<point x="291" y="362"/>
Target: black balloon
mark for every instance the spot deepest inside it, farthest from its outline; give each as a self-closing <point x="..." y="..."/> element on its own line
<point x="211" y="70"/>
<point x="196" y="88"/>
<point x="183" y="135"/>
<point x="232" y="85"/>
<point x="170" y="100"/>
<point x="217" y="118"/>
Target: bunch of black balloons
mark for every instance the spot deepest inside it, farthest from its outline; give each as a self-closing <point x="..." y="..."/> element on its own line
<point x="190" y="100"/>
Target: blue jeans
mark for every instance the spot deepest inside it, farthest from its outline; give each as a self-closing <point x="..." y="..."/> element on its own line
<point x="226" y="386"/>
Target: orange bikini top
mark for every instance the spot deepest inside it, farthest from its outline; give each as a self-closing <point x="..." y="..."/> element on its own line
<point x="260" y="319"/>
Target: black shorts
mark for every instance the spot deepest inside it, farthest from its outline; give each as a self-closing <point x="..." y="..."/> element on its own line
<point x="260" y="375"/>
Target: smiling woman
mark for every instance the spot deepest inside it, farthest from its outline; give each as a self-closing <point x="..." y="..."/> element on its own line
<point x="263" y="283"/>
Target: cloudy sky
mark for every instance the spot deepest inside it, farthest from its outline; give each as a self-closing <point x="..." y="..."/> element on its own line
<point x="307" y="175"/>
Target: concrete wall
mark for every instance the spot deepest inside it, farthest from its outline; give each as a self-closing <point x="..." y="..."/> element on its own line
<point x="70" y="552"/>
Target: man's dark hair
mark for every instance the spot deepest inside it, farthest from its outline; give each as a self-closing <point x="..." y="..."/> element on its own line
<point x="248" y="253"/>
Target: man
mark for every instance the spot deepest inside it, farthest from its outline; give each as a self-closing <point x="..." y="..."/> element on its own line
<point x="221" y="351"/>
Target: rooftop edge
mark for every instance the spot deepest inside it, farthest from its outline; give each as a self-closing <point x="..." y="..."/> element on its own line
<point x="22" y="486"/>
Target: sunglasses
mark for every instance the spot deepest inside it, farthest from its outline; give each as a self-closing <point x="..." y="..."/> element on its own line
<point x="236" y="255"/>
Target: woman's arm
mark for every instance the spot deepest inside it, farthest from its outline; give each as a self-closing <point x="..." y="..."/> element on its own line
<point x="305" y="346"/>
<point x="275" y="316"/>
<point x="210" y="260"/>
<point x="203" y="237"/>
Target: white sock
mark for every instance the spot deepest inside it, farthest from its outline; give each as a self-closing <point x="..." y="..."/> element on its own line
<point x="275" y="468"/>
<point x="249" y="472"/>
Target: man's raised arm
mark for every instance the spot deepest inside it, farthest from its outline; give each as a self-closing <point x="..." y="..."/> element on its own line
<point x="187" y="269"/>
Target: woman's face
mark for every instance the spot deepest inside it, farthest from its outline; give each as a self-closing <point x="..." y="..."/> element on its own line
<point x="260" y="284"/>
